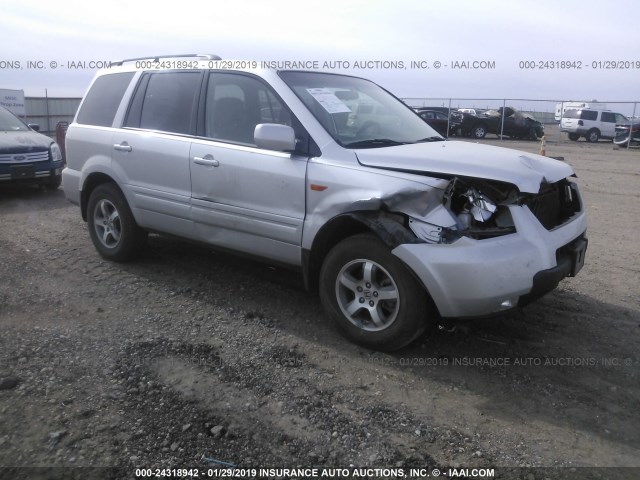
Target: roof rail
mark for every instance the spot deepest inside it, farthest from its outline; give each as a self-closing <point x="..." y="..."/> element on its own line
<point x="206" y="56"/>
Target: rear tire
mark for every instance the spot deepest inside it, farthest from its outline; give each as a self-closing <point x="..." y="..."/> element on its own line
<point x="371" y="296"/>
<point x="574" y="137"/>
<point x="593" y="135"/>
<point x="112" y="228"/>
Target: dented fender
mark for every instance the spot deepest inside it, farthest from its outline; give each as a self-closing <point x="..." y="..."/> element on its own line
<point x="378" y="191"/>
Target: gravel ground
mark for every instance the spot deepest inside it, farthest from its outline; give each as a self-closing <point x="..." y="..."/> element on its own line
<point x="189" y="353"/>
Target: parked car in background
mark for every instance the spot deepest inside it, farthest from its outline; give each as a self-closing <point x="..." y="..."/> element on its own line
<point x="622" y="133"/>
<point x="27" y="156"/>
<point x="591" y="124"/>
<point x="516" y="124"/>
<point x="439" y="121"/>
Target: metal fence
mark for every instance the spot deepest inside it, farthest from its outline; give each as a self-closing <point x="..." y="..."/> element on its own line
<point x="48" y="111"/>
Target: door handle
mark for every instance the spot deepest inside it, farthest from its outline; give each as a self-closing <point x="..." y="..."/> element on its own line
<point x="122" y="147"/>
<point x="208" y="161"/>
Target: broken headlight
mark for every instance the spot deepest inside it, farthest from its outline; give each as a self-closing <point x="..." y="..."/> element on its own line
<point x="470" y="208"/>
<point x="479" y="205"/>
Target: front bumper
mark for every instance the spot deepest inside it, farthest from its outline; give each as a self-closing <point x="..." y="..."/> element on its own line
<point x="36" y="172"/>
<point x="476" y="278"/>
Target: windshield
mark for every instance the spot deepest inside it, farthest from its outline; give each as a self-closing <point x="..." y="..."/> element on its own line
<point x="358" y="113"/>
<point x="9" y="123"/>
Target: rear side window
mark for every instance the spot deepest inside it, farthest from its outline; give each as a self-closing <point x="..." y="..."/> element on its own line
<point x="102" y="101"/>
<point x="166" y="102"/>
<point x="608" y="117"/>
<point x="589" y="115"/>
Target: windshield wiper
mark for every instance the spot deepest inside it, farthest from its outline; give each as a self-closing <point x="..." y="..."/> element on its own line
<point x="375" y="142"/>
<point x="431" y="139"/>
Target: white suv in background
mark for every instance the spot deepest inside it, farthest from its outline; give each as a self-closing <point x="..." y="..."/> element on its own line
<point x="591" y="124"/>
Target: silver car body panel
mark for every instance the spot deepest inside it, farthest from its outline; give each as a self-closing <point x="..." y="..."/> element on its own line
<point x="470" y="160"/>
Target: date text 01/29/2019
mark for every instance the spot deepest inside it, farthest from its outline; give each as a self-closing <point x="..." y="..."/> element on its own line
<point x="579" y="65"/>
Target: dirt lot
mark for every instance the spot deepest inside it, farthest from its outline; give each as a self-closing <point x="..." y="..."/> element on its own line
<point x="189" y="353"/>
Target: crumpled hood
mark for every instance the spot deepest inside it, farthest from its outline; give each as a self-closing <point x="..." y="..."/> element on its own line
<point x="525" y="170"/>
<point x="23" y="142"/>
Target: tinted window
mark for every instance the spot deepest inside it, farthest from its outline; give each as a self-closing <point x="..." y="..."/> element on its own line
<point x="168" y="102"/>
<point x="608" y="117"/>
<point x="236" y="104"/>
<point x="589" y="115"/>
<point x="102" y="101"/>
<point x="571" y="114"/>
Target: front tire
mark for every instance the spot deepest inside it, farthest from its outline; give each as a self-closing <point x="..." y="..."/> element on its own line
<point x="112" y="228"/>
<point x="54" y="183"/>
<point x="479" y="131"/>
<point x="371" y="295"/>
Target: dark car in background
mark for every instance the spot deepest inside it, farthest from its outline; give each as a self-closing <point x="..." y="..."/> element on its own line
<point x="622" y="133"/>
<point x="27" y="156"/>
<point x="436" y="120"/>
<point x="516" y="124"/>
<point x="441" y="119"/>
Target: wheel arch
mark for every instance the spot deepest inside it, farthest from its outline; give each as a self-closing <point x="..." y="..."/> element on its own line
<point x="91" y="182"/>
<point x="388" y="227"/>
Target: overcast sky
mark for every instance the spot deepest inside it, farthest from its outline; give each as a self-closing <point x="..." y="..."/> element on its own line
<point x="586" y="33"/>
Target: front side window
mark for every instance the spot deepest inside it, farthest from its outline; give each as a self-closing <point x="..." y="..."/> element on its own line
<point x="236" y="103"/>
<point x="358" y="113"/>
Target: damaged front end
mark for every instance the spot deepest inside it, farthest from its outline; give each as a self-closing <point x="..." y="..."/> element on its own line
<point x="468" y="208"/>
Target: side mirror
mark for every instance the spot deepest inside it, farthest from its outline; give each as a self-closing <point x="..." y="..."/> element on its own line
<point x="34" y="126"/>
<point x="272" y="136"/>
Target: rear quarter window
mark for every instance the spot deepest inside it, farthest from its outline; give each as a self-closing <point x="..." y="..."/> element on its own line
<point x="103" y="99"/>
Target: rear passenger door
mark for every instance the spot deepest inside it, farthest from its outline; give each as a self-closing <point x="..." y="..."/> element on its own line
<point x="244" y="197"/>
<point x="151" y="152"/>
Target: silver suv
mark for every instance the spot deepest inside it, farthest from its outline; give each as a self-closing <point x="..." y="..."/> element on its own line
<point x="394" y="226"/>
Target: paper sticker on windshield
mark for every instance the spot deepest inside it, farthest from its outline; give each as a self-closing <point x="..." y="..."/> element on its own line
<point x="328" y="100"/>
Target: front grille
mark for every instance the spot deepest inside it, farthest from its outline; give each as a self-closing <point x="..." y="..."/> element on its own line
<point x="555" y="204"/>
<point x="24" y="157"/>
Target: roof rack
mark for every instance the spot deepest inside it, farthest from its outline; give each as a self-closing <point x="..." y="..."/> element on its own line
<point x="206" y="56"/>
